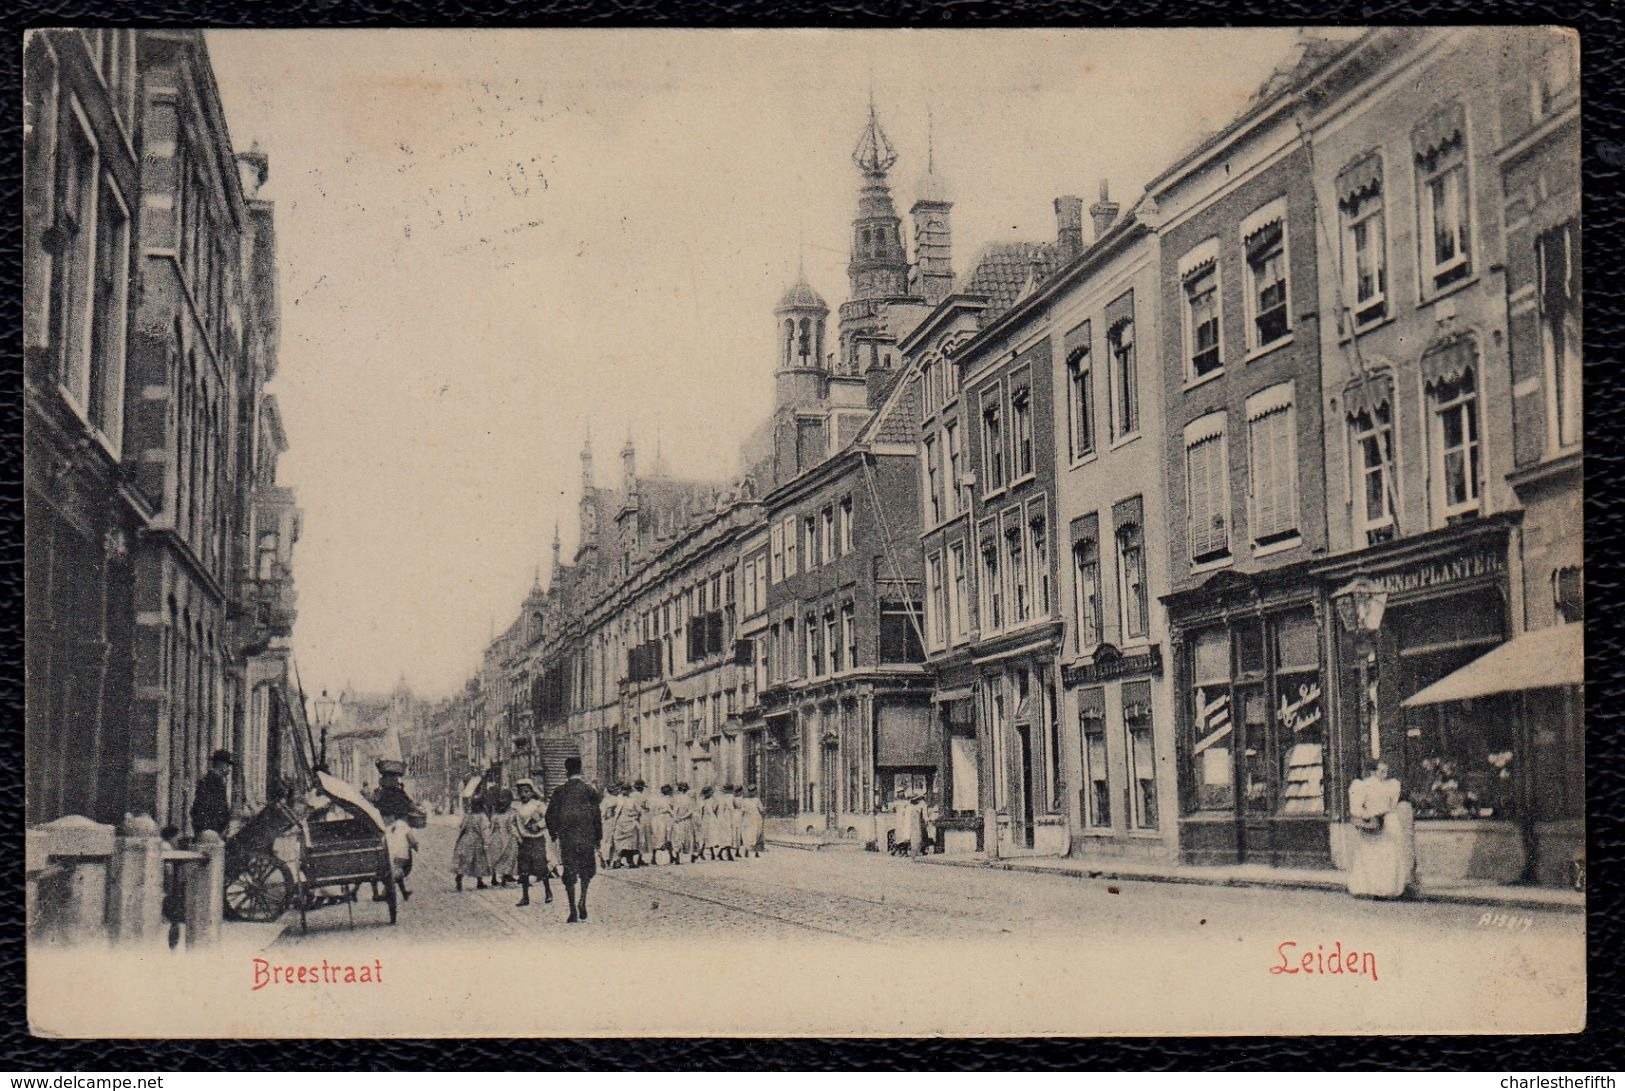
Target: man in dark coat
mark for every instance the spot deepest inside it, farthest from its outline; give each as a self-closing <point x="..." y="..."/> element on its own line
<point x="577" y="824"/>
<point x="211" y="803"/>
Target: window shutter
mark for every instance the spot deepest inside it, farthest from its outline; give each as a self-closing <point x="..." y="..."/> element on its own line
<point x="1201" y="497"/>
<point x="1263" y="477"/>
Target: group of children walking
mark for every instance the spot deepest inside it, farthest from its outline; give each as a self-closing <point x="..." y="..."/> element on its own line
<point x="639" y="825"/>
<point x="722" y="824"/>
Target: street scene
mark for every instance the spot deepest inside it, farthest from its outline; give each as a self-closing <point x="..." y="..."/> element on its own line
<point x="1089" y="522"/>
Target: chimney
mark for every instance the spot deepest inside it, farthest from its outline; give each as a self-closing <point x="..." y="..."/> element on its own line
<point x="1068" y="228"/>
<point x="629" y="471"/>
<point x="1104" y="211"/>
<point x="253" y="168"/>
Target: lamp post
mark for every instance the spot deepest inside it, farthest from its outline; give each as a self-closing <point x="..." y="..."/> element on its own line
<point x="1361" y="604"/>
<point x="324" y="718"/>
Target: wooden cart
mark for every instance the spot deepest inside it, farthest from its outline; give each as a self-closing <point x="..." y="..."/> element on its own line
<point x="343" y="847"/>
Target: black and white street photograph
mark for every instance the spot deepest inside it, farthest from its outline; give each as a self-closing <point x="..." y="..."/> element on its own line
<point x="736" y="533"/>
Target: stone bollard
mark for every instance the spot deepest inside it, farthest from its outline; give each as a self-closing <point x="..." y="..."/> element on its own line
<point x="206" y="891"/>
<point x="83" y="849"/>
<point x="135" y="903"/>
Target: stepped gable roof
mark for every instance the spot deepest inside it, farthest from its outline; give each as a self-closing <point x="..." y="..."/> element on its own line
<point x="1004" y="272"/>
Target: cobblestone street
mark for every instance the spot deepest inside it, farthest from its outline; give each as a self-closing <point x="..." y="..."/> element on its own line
<point x="841" y="927"/>
<point x="873" y="898"/>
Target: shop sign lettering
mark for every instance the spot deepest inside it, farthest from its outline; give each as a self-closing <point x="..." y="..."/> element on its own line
<point x="1455" y="570"/>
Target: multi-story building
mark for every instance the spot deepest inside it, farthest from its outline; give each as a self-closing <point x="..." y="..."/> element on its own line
<point x="1540" y="174"/>
<point x="1418" y="420"/>
<point x="159" y="589"/>
<point x="81" y="517"/>
<point x="1103" y="314"/>
<point x="846" y="697"/>
<point x="1240" y="369"/>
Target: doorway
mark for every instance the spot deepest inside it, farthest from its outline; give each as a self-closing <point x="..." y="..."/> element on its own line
<point x="829" y="776"/>
<point x="1022" y="820"/>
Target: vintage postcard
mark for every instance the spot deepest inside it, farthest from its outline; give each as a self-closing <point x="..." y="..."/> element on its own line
<point x="731" y="533"/>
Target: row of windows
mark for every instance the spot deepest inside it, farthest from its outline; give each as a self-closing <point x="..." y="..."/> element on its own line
<point x="823" y="536"/>
<point x="1267" y="296"/>
<point x="1013" y="580"/>
<point x="1122" y="379"/>
<point x="1272" y="478"/>
<point x="1132" y="620"/>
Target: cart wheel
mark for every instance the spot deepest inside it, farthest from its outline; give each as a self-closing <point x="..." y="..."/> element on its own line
<point x="392" y="897"/>
<point x="260" y="890"/>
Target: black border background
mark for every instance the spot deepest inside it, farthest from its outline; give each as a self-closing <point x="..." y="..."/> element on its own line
<point x="1598" y="1048"/>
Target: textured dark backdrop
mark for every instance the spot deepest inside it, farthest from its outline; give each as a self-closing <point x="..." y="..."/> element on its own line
<point x="1598" y="1048"/>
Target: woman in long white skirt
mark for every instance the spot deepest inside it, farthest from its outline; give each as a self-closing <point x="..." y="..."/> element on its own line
<point x="1384" y="848"/>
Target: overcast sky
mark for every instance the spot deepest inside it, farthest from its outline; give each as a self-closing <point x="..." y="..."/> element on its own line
<point x="491" y="240"/>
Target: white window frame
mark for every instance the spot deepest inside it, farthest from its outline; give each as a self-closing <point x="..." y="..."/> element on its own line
<point x="934" y="622"/>
<point x="1359" y="471"/>
<point x="791" y="530"/>
<point x="992" y="397"/>
<point x="1087" y="605"/>
<point x="1264" y="405"/>
<point x="1115" y="384"/>
<point x="1123" y="593"/>
<point x="1021" y="391"/>
<point x="1365" y="313"/>
<point x="1557" y="413"/>
<point x="1079" y="366"/>
<point x="845" y="509"/>
<point x="930" y="485"/>
<point x="1436" y="413"/>
<point x="776" y="553"/>
<point x="951" y="468"/>
<point x="1212" y="427"/>
<point x="1203" y="253"/>
<point x="1466" y="244"/>
<point x="1270" y="213"/>
<point x="958" y="589"/>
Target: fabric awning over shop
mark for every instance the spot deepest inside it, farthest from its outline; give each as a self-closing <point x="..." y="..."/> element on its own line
<point x="1544" y="659"/>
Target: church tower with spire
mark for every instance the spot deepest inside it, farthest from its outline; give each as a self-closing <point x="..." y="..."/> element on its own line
<point x="878" y="269"/>
<point x="933" y="275"/>
<point x="800" y="320"/>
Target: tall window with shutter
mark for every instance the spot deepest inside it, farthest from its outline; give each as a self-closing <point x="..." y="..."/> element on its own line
<point x="1449" y="374"/>
<point x="1272" y="456"/>
<point x="1096" y="801"/>
<point x="1199" y="282"/>
<point x="1443" y="198"/>
<point x="1267" y="295"/>
<point x="1207" y="491"/>
<point x="1361" y="207"/>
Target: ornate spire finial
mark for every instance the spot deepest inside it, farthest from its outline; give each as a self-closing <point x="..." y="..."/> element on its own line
<point x="874" y="154"/>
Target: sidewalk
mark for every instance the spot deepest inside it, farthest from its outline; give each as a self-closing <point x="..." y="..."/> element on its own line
<point x="811" y="842"/>
<point x="1467" y="892"/>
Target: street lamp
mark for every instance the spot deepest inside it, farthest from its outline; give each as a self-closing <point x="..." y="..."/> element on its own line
<point x="1361" y="604"/>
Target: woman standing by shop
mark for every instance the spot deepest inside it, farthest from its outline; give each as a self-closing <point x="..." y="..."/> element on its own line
<point x="470" y="856"/>
<point x="1384" y="848"/>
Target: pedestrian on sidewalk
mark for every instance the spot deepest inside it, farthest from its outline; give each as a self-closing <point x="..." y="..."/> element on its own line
<point x="751" y="821"/>
<point x="736" y="823"/>
<point x="659" y="824"/>
<point x="902" y="820"/>
<point x="709" y="827"/>
<point x="1383" y="863"/>
<point x="575" y="821"/>
<point x="211" y="802"/>
<point x="682" y="824"/>
<point x="470" y="856"/>
<point x="503" y="846"/>
<point x="628" y="830"/>
<point x="640" y="805"/>
<point x="530" y="823"/>
<point x="606" y="811"/>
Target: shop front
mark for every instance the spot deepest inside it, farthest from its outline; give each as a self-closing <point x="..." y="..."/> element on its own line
<point x="1118" y="707"/>
<point x="1410" y="613"/>
<point x="959" y="817"/>
<point x="1258" y="753"/>
<point x="1016" y="708"/>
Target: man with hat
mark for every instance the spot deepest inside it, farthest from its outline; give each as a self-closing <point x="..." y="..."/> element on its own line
<point x="211" y="803"/>
<point x="530" y="821"/>
<point x="576" y="823"/>
<point x="391" y="799"/>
